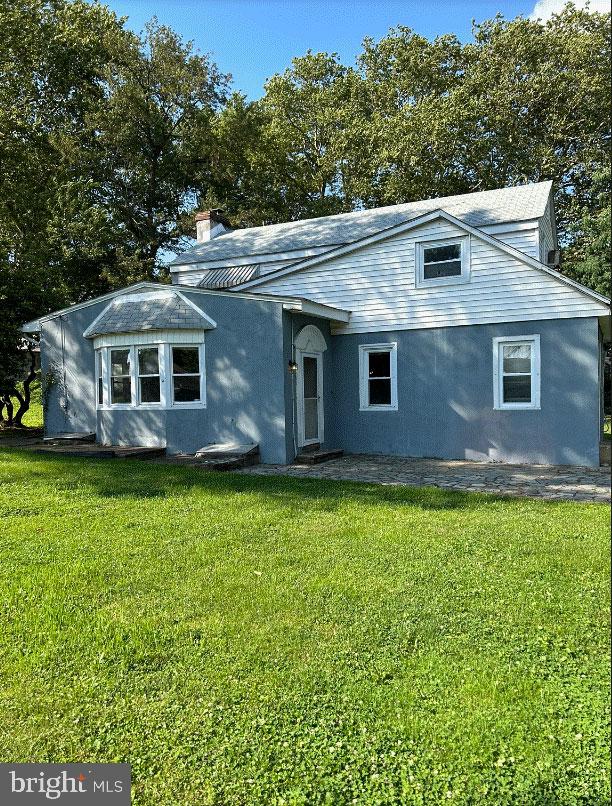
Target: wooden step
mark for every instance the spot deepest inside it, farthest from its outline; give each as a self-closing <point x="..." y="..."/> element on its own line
<point x="88" y="450"/>
<point x="316" y="457"/>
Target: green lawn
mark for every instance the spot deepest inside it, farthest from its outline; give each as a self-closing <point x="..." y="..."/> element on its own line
<point x="258" y="640"/>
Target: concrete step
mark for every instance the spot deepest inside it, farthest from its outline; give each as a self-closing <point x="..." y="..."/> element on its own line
<point x="315" y="446"/>
<point x="82" y="436"/>
<point x="225" y="449"/>
<point x="227" y="455"/>
<point x="318" y="456"/>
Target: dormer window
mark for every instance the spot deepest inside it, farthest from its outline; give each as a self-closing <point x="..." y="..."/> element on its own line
<point x="442" y="262"/>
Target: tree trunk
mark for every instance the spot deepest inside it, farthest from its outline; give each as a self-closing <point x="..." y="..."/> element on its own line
<point x="24" y="401"/>
<point x="9" y="409"/>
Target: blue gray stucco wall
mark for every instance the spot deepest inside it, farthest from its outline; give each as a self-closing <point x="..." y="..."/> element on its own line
<point x="445" y="390"/>
<point x="445" y="396"/>
<point x="68" y="359"/>
<point x="245" y="378"/>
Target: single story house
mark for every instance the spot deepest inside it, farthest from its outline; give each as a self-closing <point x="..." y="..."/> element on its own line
<point x="439" y="328"/>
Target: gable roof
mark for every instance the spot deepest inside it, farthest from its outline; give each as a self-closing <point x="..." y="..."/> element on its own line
<point x="411" y="224"/>
<point x="520" y="203"/>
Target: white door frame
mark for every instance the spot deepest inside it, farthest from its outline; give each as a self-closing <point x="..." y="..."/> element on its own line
<point x="318" y="355"/>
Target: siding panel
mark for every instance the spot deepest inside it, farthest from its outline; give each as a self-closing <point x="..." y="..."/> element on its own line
<point x="377" y="284"/>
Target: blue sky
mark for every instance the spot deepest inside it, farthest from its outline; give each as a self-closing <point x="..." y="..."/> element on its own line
<point x="253" y="39"/>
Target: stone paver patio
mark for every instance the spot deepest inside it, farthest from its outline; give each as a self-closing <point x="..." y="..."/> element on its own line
<point x="533" y="481"/>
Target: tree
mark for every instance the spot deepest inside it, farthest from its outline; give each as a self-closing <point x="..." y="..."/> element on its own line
<point x="524" y="102"/>
<point x="104" y="141"/>
<point x="285" y="157"/>
<point x="588" y="256"/>
<point x="411" y="125"/>
<point x="154" y="135"/>
<point x="540" y="97"/>
<point x="52" y="57"/>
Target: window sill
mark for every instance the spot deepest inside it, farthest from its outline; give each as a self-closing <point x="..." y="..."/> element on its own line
<point x="378" y="408"/>
<point x="151" y="407"/>
<point x="517" y="407"/>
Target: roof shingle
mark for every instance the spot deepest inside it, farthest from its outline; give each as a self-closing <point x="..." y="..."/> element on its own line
<point x="152" y="314"/>
<point x="519" y="203"/>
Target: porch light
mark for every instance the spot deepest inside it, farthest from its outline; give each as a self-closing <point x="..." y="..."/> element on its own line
<point x="292" y="366"/>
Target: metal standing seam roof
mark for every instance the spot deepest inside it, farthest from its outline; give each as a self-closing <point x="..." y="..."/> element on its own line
<point x="152" y="314"/>
<point x="228" y="276"/>
<point x="520" y="203"/>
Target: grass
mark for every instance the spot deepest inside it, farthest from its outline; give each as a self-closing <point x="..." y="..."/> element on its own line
<point x="607" y="429"/>
<point x="260" y="640"/>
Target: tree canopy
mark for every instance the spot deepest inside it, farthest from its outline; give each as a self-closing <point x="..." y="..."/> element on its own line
<point x="415" y="118"/>
<point x="109" y="141"/>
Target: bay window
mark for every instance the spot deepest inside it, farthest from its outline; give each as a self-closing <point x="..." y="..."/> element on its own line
<point x="150" y="374"/>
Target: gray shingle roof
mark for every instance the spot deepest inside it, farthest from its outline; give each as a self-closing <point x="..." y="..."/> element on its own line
<point x="228" y="276"/>
<point x="150" y="314"/>
<point x="519" y="203"/>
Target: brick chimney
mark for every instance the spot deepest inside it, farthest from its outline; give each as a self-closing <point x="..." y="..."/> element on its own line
<point x="209" y="224"/>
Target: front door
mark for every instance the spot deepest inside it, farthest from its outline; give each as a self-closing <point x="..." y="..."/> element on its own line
<point x="310" y="398"/>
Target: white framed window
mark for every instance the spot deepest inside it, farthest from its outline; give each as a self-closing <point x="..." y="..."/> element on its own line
<point x="99" y="379"/>
<point x="516" y="372"/>
<point x="153" y="374"/>
<point x="378" y="377"/>
<point x="149" y="381"/>
<point x="442" y="262"/>
<point x="187" y="374"/>
<point x="121" y="377"/>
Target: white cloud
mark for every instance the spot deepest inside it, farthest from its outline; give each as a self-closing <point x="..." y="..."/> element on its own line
<point x="544" y="9"/>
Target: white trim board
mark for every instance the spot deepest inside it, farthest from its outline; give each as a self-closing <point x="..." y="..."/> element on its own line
<point x="297" y="303"/>
<point x="247" y="260"/>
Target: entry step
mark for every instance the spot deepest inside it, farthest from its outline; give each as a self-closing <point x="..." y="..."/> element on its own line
<point x="80" y="436"/>
<point x="318" y="456"/>
<point x="227" y="456"/>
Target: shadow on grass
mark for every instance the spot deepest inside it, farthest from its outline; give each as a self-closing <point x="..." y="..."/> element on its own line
<point x="130" y="478"/>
